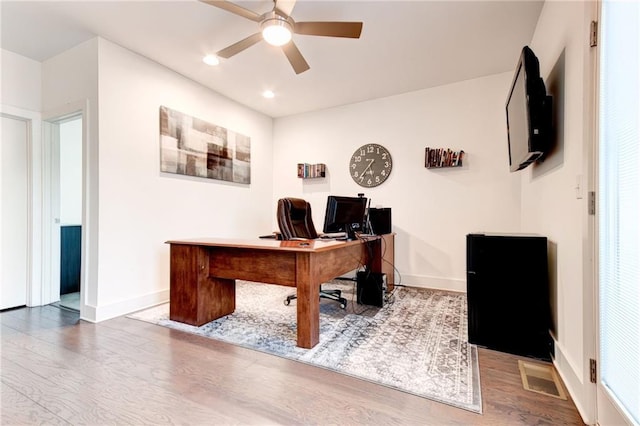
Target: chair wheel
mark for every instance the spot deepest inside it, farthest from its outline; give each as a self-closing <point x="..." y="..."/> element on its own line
<point x="287" y="302"/>
<point x="343" y="304"/>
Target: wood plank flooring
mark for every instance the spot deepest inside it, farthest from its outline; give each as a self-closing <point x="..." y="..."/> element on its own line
<point x="56" y="369"/>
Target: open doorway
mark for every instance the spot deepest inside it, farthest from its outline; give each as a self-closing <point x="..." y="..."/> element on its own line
<point x="66" y="209"/>
<point x="70" y="155"/>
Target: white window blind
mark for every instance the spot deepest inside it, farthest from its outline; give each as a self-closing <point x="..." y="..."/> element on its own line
<point x="619" y="204"/>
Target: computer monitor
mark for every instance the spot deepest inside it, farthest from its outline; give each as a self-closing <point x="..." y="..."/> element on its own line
<point x="344" y="214"/>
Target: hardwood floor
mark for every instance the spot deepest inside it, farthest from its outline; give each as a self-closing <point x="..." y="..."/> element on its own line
<point x="58" y="370"/>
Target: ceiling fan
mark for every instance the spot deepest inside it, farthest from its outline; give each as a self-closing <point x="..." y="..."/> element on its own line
<point x="277" y="27"/>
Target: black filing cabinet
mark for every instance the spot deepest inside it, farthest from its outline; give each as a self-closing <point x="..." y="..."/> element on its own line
<point x="508" y="294"/>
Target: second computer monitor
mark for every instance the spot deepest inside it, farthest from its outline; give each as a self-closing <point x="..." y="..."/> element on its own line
<point x="344" y="214"/>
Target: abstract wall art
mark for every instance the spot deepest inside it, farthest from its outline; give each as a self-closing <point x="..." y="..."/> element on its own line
<point x="193" y="147"/>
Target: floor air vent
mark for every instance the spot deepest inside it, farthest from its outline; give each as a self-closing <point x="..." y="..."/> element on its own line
<point x="541" y="378"/>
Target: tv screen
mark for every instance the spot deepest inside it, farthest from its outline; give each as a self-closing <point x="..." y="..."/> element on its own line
<point x="344" y="214"/>
<point x="528" y="113"/>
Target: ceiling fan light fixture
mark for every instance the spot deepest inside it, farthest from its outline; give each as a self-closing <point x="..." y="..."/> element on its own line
<point x="276" y="31"/>
<point x="277" y="28"/>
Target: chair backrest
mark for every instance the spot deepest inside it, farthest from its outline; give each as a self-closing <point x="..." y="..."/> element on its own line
<point x="294" y="219"/>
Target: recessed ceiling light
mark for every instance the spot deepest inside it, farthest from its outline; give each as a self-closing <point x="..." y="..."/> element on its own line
<point x="268" y="94"/>
<point x="211" y="60"/>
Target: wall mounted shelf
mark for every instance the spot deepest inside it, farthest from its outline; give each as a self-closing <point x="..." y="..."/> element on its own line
<point x="438" y="158"/>
<point x="311" y="171"/>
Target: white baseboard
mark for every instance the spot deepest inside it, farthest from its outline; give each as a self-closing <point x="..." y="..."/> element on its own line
<point x="123" y="307"/>
<point x="439" y="283"/>
<point x="576" y="384"/>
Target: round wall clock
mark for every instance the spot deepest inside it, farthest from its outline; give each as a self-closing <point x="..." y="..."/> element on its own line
<point x="370" y="165"/>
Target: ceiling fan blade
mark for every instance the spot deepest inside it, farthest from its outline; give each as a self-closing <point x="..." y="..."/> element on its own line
<point x="238" y="47"/>
<point x="295" y="57"/>
<point x="329" y="29"/>
<point x="234" y="8"/>
<point x="285" y="6"/>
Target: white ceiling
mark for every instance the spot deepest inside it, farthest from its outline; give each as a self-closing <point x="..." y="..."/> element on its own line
<point x="405" y="45"/>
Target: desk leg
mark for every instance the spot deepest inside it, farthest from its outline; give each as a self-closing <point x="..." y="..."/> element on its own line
<point x="308" y="302"/>
<point x="196" y="298"/>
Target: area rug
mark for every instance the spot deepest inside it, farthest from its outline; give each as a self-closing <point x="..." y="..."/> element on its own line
<point x="416" y="343"/>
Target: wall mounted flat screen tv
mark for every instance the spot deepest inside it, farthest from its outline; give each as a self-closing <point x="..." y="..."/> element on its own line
<point x="528" y="114"/>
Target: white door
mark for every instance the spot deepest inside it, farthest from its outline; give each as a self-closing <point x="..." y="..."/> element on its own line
<point x="618" y="385"/>
<point x="14" y="212"/>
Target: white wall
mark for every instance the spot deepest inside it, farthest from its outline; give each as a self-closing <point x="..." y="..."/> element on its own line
<point x="21" y="81"/>
<point x="549" y="199"/>
<point x="69" y="86"/>
<point x="432" y="209"/>
<point x="130" y="208"/>
<point x="140" y="208"/>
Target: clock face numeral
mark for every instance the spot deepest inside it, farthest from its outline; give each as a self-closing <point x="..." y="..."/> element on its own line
<point x="370" y="165"/>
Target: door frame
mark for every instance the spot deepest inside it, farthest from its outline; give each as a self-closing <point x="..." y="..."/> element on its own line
<point x="51" y="121"/>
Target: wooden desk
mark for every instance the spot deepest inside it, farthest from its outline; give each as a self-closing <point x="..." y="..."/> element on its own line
<point x="204" y="270"/>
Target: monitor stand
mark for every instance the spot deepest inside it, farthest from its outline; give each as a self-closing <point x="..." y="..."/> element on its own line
<point x="351" y="231"/>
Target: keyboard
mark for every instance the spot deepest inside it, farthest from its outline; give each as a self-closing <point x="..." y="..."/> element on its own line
<point x="331" y="235"/>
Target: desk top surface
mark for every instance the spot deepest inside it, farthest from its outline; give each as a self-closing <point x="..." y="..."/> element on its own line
<point x="269" y="244"/>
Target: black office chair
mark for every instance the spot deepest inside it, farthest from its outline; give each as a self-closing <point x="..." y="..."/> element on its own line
<point x="295" y="221"/>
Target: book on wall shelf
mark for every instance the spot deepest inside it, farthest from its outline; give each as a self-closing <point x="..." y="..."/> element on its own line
<point x="310" y="171"/>
<point x="442" y="157"/>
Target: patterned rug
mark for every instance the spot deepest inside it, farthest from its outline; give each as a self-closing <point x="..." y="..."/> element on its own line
<point x="416" y="343"/>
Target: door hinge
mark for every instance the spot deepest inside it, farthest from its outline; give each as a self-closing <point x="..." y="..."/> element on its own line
<point x="592" y="203"/>
<point x="593" y="38"/>
<point x="593" y="372"/>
